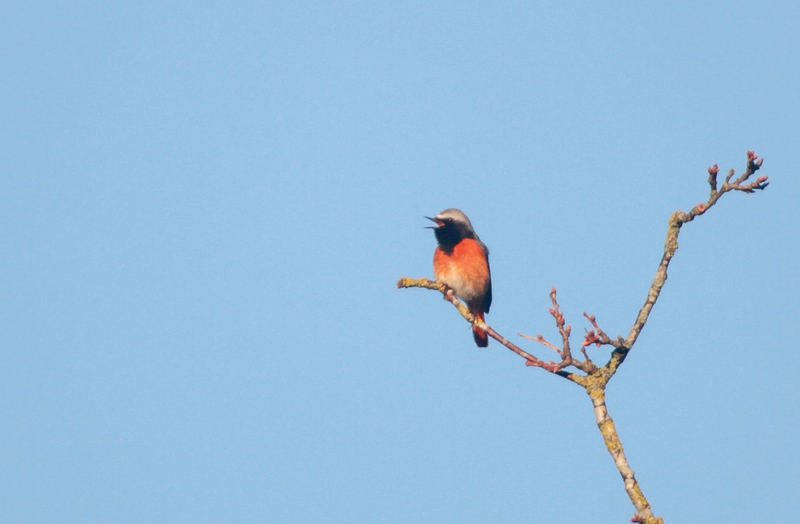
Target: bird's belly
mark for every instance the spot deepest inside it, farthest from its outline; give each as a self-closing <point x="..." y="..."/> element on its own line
<point x="465" y="271"/>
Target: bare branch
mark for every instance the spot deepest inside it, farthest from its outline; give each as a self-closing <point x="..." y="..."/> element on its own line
<point x="565" y="352"/>
<point x="609" y="431"/>
<point x="676" y="221"/>
<point x="530" y="360"/>
<point x="596" y="379"/>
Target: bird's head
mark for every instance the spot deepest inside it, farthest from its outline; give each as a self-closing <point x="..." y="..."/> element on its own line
<point x="452" y="226"/>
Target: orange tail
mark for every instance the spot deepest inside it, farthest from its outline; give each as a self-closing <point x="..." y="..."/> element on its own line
<point x="480" y="336"/>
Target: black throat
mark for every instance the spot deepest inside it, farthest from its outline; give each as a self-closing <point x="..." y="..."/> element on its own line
<point x="450" y="234"/>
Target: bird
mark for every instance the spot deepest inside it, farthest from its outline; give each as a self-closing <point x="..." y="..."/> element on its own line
<point x="461" y="261"/>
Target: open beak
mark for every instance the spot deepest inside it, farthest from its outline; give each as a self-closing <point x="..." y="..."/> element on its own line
<point x="438" y="224"/>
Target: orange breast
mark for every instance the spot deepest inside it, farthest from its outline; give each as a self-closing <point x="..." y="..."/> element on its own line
<point x="465" y="270"/>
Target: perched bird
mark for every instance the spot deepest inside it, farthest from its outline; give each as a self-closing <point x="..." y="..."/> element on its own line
<point x="462" y="262"/>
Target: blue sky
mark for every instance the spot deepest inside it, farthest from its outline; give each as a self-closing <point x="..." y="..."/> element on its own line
<point x="204" y="209"/>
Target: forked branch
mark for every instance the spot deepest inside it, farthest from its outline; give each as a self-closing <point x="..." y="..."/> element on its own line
<point x="595" y="379"/>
